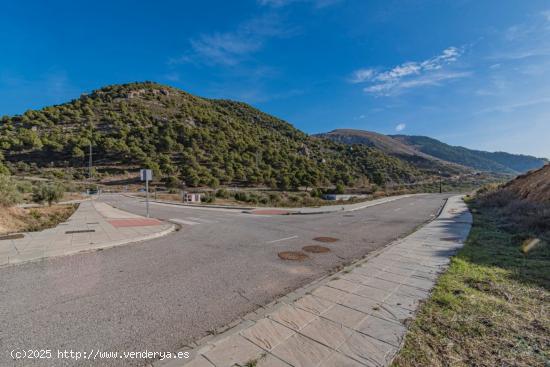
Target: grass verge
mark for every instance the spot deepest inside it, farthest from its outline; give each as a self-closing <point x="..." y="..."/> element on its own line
<point x="491" y="307"/>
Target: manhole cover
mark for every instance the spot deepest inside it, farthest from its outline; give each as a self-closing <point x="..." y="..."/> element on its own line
<point x="326" y="239"/>
<point x="292" y="255"/>
<point x="316" y="249"/>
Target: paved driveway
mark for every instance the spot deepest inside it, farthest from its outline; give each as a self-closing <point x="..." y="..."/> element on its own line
<point x="161" y="294"/>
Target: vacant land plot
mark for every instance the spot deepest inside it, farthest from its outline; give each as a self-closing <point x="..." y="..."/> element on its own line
<point x="491" y="308"/>
<point x="16" y="219"/>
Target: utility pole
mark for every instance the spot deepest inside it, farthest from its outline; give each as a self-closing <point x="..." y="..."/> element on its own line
<point x="90" y="163"/>
<point x="147" y="195"/>
<point x="439" y="181"/>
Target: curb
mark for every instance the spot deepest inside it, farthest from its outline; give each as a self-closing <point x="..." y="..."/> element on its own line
<point x="291" y="211"/>
<point x="99" y="247"/>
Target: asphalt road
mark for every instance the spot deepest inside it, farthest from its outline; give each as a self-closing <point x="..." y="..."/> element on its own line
<point x="161" y="294"/>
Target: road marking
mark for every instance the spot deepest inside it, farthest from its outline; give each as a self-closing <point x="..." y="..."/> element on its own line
<point x="282" y="239"/>
<point x="397" y="209"/>
<point x="202" y="220"/>
<point x="181" y="221"/>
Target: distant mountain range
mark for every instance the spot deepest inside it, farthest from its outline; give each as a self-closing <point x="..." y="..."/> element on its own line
<point x="428" y="152"/>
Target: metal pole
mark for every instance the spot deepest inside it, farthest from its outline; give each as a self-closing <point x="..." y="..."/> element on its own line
<point x="147" y="194"/>
<point x="440" y="182"/>
<point x="90" y="163"/>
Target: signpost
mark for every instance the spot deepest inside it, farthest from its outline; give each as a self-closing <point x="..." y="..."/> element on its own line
<point x="146" y="175"/>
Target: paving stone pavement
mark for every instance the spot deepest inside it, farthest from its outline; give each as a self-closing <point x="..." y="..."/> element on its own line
<point x="92" y="226"/>
<point x="356" y="317"/>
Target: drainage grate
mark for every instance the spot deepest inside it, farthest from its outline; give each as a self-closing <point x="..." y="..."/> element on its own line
<point x="93" y="223"/>
<point x="292" y="255"/>
<point x="316" y="249"/>
<point x="326" y="239"/>
<point x="80" y="231"/>
<point x="12" y="236"/>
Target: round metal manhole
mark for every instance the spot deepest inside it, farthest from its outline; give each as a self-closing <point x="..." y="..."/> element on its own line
<point x="326" y="239"/>
<point x="316" y="249"/>
<point x="292" y="255"/>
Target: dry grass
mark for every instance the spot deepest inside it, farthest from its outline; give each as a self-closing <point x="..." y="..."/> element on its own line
<point x="491" y="308"/>
<point x="34" y="219"/>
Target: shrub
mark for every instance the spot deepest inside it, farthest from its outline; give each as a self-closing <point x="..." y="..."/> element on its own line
<point x="51" y="192"/>
<point x="9" y="195"/>
<point x="24" y="186"/>
<point x="208" y="198"/>
<point x="222" y="193"/>
<point x="340" y="189"/>
<point x="274" y="197"/>
<point x="316" y="193"/>
<point x="241" y="196"/>
<point x="171" y="182"/>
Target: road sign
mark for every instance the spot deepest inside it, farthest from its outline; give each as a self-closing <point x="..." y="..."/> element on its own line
<point x="146" y="174"/>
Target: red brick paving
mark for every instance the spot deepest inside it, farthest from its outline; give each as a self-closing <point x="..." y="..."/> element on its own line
<point x="134" y="222"/>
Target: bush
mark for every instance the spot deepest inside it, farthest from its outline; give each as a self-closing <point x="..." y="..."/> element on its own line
<point x="340" y="189"/>
<point x="208" y="198"/>
<point x="274" y="197"/>
<point x="51" y="192"/>
<point x="222" y="193"/>
<point x="9" y="195"/>
<point x="171" y="182"/>
<point x="316" y="193"/>
<point x="241" y="196"/>
<point x="24" y="186"/>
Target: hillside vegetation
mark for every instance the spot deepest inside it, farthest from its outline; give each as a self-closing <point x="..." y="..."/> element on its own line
<point x="396" y="148"/>
<point x="185" y="138"/>
<point x="500" y="162"/>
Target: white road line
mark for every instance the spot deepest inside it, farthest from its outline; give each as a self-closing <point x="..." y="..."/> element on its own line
<point x="397" y="209"/>
<point x="181" y="221"/>
<point x="282" y="239"/>
<point x="202" y="220"/>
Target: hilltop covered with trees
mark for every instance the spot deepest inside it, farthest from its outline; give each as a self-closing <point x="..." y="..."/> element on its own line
<point x="188" y="139"/>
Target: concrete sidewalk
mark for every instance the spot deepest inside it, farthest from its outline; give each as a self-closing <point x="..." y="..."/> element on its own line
<point x="93" y="225"/>
<point x="356" y="317"/>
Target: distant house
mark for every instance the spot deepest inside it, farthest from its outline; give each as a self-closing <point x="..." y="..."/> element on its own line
<point x="191" y="197"/>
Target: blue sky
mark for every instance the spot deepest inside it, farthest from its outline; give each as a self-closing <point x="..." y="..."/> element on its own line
<point x="471" y="73"/>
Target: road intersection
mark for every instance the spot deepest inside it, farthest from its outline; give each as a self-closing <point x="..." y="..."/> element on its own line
<point x="165" y="293"/>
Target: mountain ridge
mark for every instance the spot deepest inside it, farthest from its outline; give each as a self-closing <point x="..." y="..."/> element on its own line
<point x="439" y="154"/>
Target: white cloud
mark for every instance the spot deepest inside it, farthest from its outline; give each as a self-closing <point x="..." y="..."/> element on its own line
<point x="230" y="48"/>
<point x="361" y="75"/>
<point x="409" y="74"/>
<point x="400" y="127"/>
